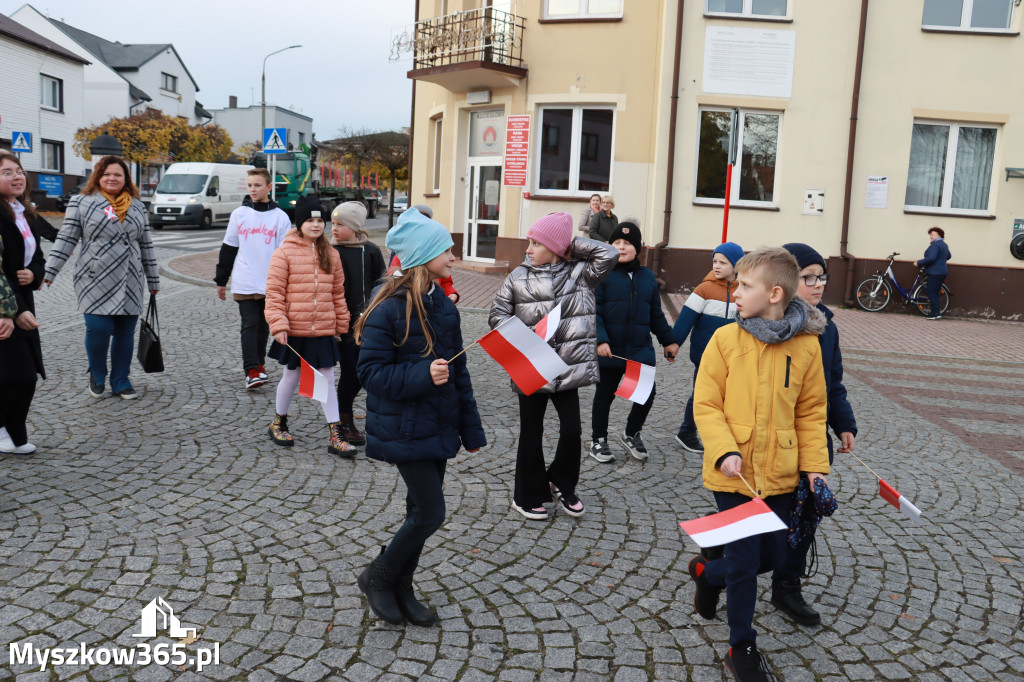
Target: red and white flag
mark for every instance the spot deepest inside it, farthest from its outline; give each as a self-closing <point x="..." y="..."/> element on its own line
<point x="527" y="358"/>
<point x="750" y="518"/>
<point x="548" y="324"/>
<point x="312" y="383"/>
<point x="637" y="382"/>
<point x="893" y="497"/>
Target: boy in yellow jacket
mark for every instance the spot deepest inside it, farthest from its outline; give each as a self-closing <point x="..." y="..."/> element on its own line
<point x="760" y="408"/>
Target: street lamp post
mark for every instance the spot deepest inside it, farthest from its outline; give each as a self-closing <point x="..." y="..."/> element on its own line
<point x="263" y="89"/>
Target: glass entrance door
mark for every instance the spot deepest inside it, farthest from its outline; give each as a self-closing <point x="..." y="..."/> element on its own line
<point x="484" y="210"/>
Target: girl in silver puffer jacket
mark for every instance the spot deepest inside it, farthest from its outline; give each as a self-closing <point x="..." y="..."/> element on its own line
<point x="558" y="271"/>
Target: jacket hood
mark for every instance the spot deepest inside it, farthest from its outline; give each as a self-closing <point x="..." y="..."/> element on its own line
<point x="293" y="237"/>
<point x="816" y="320"/>
<point x="710" y="278"/>
<point x="360" y="240"/>
<point x="261" y="206"/>
<point x="550" y="267"/>
<point x="823" y="309"/>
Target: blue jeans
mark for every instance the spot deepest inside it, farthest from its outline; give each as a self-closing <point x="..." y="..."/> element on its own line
<point x="99" y="330"/>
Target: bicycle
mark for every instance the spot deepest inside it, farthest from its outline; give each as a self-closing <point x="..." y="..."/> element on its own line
<point x="874" y="293"/>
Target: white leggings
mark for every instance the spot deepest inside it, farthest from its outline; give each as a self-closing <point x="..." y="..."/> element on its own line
<point x="290" y="382"/>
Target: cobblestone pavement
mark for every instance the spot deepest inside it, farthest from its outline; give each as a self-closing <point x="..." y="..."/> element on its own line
<point x="181" y="495"/>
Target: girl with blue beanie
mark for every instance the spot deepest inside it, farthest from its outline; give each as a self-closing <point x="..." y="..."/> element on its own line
<point x="420" y="408"/>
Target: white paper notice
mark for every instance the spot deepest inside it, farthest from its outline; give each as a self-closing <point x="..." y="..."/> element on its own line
<point x="749" y="61"/>
<point x="877" y="194"/>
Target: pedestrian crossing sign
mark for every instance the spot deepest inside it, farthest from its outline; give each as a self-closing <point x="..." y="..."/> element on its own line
<point x="21" y="142"/>
<point x="274" y="140"/>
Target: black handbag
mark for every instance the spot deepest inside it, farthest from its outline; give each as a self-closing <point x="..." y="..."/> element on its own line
<point x="150" y="356"/>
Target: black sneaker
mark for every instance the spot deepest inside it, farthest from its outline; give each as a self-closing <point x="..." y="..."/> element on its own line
<point x="705" y="597"/>
<point x="600" y="451"/>
<point x="95" y="390"/>
<point x="127" y="394"/>
<point x="635" y="445"/>
<point x="747" y="664"/>
<point x="690" y="441"/>
<point x="788" y="598"/>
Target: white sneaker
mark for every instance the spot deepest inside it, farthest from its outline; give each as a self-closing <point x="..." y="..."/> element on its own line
<point x="6" y="444"/>
<point x="26" y="449"/>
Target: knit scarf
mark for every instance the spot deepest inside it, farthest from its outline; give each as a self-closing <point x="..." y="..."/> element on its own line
<point x="121" y="203"/>
<point x="628" y="266"/>
<point x="777" y="331"/>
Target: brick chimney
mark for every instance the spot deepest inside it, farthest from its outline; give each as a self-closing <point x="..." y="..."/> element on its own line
<point x="232" y="102"/>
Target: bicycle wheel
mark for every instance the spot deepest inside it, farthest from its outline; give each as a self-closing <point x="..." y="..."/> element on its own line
<point x="873" y="294"/>
<point x="919" y="297"/>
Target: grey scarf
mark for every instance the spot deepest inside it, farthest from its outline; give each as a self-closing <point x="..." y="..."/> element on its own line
<point x="777" y="331"/>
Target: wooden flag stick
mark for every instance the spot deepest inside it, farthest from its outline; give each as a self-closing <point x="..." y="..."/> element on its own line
<point x="621" y="358"/>
<point x="465" y="349"/>
<point x="748" y="485"/>
<point x="865" y="465"/>
<point x="287" y="345"/>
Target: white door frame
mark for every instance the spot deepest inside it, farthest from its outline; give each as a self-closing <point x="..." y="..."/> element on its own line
<point x="469" y="244"/>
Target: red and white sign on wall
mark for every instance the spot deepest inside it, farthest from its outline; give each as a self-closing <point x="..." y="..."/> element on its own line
<point x="517" y="149"/>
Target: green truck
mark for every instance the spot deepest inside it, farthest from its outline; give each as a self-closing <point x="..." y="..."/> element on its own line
<point x="297" y="175"/>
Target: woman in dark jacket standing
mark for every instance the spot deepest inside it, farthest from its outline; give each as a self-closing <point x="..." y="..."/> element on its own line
<point x="934" y="264"/>
<point x="604" y="222"/>
<point x="363" y="264"/>
<point x="21" y="355"/>
<point x="115" y="266"/>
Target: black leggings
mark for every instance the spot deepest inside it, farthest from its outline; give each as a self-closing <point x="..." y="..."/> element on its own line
<point x="15" y="400"/>
<point x="348" y="382"/>
<point x="604" y="396"/>
<point x="531" y="487"/>
<point x="424" y="513"/>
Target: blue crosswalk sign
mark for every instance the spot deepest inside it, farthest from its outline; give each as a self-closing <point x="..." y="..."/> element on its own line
<point x="274" y="140"/>
<point x="21" y="142"/>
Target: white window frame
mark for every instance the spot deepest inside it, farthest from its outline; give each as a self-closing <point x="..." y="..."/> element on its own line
<point x="952" y="143"/>
<point x="168" y="79"/>
<point x="58" y="153"/>
<point x="748" y="12"/>
<point x="44" y="88"/>
<point x="734" y="190"/>
<point x="438" y="148"/>
<point x="584" y="12"/>
<point x="965" y="20"/>
<point x="574" y="150"/>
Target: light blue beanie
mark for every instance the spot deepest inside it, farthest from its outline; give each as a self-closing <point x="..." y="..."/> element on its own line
<point x="417" y="239"/>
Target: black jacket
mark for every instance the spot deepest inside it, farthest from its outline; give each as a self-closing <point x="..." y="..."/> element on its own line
<point x="628" y="312"/>
<point x="363" y="266"/>
<point x="21" y="354"/>
<point x="840" y="414"/>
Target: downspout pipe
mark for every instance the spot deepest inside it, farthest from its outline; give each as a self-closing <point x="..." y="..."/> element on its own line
<point x="670" y="174"/>
<point x="412" y="123"/>
<point x="844" y="239"/>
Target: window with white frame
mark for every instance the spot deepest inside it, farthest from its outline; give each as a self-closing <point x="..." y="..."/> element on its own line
<point x="168" y="82"/>
<point x="575" y="149"/>
<point x="756" y="157"/>
<point x="437" y="155"/>
<point x="582" y="9"/>
<point x="51" y="92"/>
<point x="951" y="166"/>
<point x="53" y="156"/>
<point x="747" y="8"/>
<point x="969" y="15"/>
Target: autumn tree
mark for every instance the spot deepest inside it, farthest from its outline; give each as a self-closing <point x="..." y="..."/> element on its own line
<point x="390" y="151"/>
<point x="152" y="136"/>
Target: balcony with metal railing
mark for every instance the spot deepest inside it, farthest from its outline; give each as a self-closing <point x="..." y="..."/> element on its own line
<point x="475" y="49"/>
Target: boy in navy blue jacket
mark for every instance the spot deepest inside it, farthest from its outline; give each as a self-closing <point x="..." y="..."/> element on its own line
<point x="709" y="307"/>
<point x="628" y="312"/>
<point x="786" y="593"/>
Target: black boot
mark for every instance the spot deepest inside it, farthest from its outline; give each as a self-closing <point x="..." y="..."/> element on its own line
<point x="377" y="582"/>
<point x="415" y="612"/>
<point x="349" y="431"/>
<point x="787" y="598"/>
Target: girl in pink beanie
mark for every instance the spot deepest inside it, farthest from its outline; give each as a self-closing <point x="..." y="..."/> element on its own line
<point x="558" y="270"/>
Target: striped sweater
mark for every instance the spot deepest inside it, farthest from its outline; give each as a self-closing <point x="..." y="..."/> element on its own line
<point x="709" y="307"/>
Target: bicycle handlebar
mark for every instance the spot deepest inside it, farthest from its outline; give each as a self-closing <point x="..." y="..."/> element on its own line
<point x="892" y="256"/>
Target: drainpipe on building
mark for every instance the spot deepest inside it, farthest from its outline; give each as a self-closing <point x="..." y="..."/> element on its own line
<point x="412" y="123"/>
<point x="673" y="110"/>
<point x="844" y="239"/>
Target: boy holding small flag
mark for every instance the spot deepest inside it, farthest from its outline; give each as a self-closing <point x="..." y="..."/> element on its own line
<point x="760" y="408"/>
<point x="628" y="312"/>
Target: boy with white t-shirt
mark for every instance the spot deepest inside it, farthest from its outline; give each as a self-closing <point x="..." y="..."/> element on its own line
<point x="255" y="230"/>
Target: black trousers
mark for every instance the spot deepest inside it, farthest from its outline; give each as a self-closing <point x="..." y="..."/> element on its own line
<point x="604" y="396"/>
<point x="531" y="486"/>
<point x="424" y="513"/>
<point x="348" y="382"/>
<point x="689" y="425"/>
<point x="933" y="287"/>
<point x="15" y="400"/>
<point x="255" y="332"/>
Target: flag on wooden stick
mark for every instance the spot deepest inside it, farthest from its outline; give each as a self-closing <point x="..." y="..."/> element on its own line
<point x="893" y="497"/>
<point x="637" y="382"/>
<point x="527" y="358"/>
<point x="312" y="384"/>
<point x="750" y="518"/>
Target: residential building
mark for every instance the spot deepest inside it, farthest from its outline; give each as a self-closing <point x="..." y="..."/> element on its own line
<point x="245" y="124"/>
<point x="42" y="105"/>
<point x="853" y="136"/>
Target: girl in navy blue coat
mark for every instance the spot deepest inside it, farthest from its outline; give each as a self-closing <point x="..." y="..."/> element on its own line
<point x="628" y="312"/>
<point x="420" y="409"/>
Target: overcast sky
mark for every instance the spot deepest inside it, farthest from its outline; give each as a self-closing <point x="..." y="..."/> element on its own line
<point x="340" y="76"/>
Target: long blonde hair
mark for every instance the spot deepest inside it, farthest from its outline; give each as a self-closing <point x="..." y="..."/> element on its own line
<point x="417" y="282"/>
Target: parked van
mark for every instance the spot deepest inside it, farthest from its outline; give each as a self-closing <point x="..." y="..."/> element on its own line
<point x="198" y="194"/>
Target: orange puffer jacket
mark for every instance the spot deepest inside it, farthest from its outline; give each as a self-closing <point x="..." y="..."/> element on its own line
<point x="302" y="299"/>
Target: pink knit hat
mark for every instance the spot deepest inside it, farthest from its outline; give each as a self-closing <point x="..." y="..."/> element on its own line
<point x="553" y="231"/>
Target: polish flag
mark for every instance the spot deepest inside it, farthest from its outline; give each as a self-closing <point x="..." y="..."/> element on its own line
<point x="312" y="383"/>
<point x="637" y="382"/>
<point x="548" y="324"/>
<point x="527" y="358"/>
<point x="750" y="518"/>
<point x="893" y="497"/>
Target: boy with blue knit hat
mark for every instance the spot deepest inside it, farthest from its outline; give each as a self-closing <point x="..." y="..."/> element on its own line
<point x="709" y="307"/>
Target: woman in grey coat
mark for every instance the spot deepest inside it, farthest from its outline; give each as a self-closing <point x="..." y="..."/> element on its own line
<point x="115" y="266"/>
<point x="558" y="271"/>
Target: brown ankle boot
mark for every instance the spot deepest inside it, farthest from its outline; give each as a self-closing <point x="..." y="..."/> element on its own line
<point x="349" y="431"/>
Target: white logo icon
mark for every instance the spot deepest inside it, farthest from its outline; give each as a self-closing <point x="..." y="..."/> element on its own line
<point x="170" y="622"/>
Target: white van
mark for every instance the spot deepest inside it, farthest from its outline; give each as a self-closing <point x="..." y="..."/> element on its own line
<point x="198" y="194"/>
